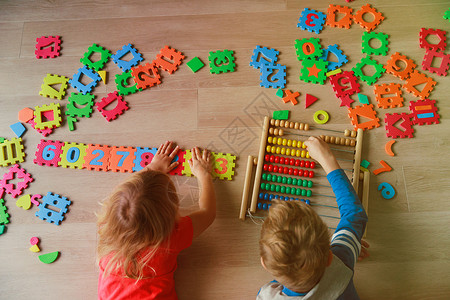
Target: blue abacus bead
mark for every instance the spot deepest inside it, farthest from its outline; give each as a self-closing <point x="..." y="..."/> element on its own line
<point x="259" y="205"/>
<point x="261" y="195"/>
<point x="264" y="206"/>
<point x="308" y="202"/>
<point x="303" y="200"/>
<point x="277" y="197"/>
<point x="271" y="197"/>
<point x="266" y="196"/>
<point x="308" y="193"/>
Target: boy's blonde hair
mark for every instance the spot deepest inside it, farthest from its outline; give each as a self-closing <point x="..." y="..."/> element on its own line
<point x="295" y="245"/>
<point x="135" y="220"/>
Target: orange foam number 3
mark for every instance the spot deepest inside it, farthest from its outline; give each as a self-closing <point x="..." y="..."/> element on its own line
<point x="223" y="165"/>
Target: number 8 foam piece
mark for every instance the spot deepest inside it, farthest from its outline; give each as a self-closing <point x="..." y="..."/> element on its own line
<point x="120" y="159"/>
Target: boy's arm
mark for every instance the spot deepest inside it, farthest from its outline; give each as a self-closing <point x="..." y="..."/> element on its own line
<point x="201" y="168"/>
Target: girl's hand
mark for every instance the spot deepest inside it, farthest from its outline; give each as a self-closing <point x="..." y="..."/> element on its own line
<point x="320" y="151"/>
<point x="162" y="161"/>
<point x="364" y="250"/>
<point x="201" y="164"/>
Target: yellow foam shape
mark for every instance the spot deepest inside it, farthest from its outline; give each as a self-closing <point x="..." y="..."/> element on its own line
<point x="35" y="248"/>
<point x="102" y="75"/>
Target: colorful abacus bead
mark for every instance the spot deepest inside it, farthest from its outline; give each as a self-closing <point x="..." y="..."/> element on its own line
<point x="350" y="133"/>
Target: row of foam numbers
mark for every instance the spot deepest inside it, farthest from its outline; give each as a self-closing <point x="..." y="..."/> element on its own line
<point x="120" y="159"/>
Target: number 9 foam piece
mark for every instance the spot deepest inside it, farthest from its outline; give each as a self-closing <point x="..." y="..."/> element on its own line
<point x="311" y="20"/>
<point x="387" y="190"/>
<point x="50" y="215"/>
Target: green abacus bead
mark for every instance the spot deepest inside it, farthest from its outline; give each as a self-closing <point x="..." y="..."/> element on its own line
<point x="284" y="180"/>
<point x="283" y="189"/>
<point x="277" y="189"/>
<point x="299" y="182"/>
<point x="288" y="190"/>
<point x="305" y="183"/>
<point x="308" y="193"/>
<point x="263" y="186"/>
<point x="298" y="192"/>
<point x="310" y="184"/>
<point x="289" y="180"/>
<point x="303" y="192"/>
<point x="267" y="177"/>
<point x="272" y="187"/>
<point x="264" y="176"/>
<point x="279" y="179"/>
<point x="294" y="181"/>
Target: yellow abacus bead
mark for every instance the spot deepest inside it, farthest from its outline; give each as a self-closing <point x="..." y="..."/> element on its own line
<point x="281" y="132"/>
<point x="269" y="139"/>
<point x="307" y="155"/>
<point x="279" y="141"/>
<point x="293" y="143"/>
<point x="346" y="132"/>
<point x="303" y="146"/>
<point x="282" y="151"/>
<point x="342" y="141"/>
<point x="278" y="150"/>
<point x="282" y="123"/>
<point x="332" y="140"/>
<point x="277" y="122"/>
<point x="303" y="153"/>
<point x="298" y="153"/>
<point x="296" y="125"/>
<point x="287" y="124"/>
<point x="306" y="127"/>
<point x="289" y="151"/>
<point x="353" y="143"/>
<point x="353" y="133"/>
<point x="272" y="121"/>
<point x="268" y="148"/>
<point x="291" y="125"/>
<point x="285" y="142"/>
<point x="273" y="149"/>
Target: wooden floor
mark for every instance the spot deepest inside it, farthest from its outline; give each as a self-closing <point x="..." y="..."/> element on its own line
<point x="410" y="256"/>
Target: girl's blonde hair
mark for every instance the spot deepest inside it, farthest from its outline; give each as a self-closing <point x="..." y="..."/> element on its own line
<point x="134" y="222"/>
<point x="295" y="245"/>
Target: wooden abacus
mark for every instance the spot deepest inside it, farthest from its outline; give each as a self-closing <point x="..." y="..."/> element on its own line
<point x="281" y="155"/>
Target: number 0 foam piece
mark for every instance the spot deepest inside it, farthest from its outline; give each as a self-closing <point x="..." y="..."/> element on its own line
<point x="280" y="115"/>
<point x="18" y="129"/>
<point x="72" y="155"/>
<point x="49" y="215"/>
<point x="48" y="46"/>
<point x="15" y="172"/>
<point x="49" y="257"/>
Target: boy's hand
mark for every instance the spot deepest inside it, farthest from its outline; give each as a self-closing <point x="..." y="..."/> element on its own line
<point x="320" y="151"/>
<point x="201" y="164"/>
<point x="364" y="250"/>
<point x="162" y="161"/>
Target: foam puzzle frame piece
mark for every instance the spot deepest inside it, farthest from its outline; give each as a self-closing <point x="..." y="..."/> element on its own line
<point x="48" y="47"/>
<point x="47" y="89"/>
<point x="441" y="34"/>
<point x="26" y="114"/>
<point x="394" y="98"/>
<point x="97" y="157"/>
<point x="280" y="115"/>
<point x="4" y="216"/>
<point x="168" y="59"/>
<point x="221" y="61"/>
<point x="45" y="132"/>
<point x="273" y="76"/>
<point x="339" y="84"/>
<point x="11" y="152"/>
<point x="358" y="17"/>
<point x="417" y="78"/>
<point x="310" y="100"/>
<point x="314" y="71"/>
<point x="311" y="20"/>
<point x="121" y="159"/>
<point x="332" y="15"/>
<point x="18" y="129"/>
<point x="49" y="215"/>
<point x="146" y="76"/>
<point x="394" y="132"/>
<point x="367" y="61"/>
<point x="39" y="115"/>
<point x="123" y="64"/>
<point x="341" y="57"/>
<point x="86" y="60"/>
<point x="393" y="68"/>
<point x="124" y="85"/>
<point x="195" y="64"/>
<point x="263" y="56"/>
<point x="119" y="109"/>
<point x="74" y="108"/>
<point x="424" y="112"/>
<point x="381" y="37"/>
<point x="48" y="153"/>
<point x="427" y="62"/>
<point x="15" y="172"/>
<point x="385" y="168"/>
<point x="143" y="156"/>
<point x="223" y="165"/>
<point x="291" y="97"/>
<point x="308" y="48"/>
<point x="366" y="111"/>
<point x="49" y="258"/>
<point x="186" y="168"/>
<point x="82" y="88"/>
<point x="72" y="155"/>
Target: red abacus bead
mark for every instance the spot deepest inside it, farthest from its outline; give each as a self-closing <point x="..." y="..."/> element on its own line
<point x="275" y="169"/>
<point x="280" y="170"/>
<point x="295" y="172"/>
<point x="292" y="162"/>
<point x="291" y="171"/>
<point x="297" y="162"/>
<point x="311" y="174"/>
<point x="302" y="164"/>
<point x="313" y="164"/>
<point x="272" y="158"/>
<point x="306" y="174"/>
<point x="282" y="160"/>
<point x="300" y="172"/>
<point x="270" y="168"/>
<point x="285" y="170"/>
<point x="277" y="159"/>
<point x="307" y="164"/>
<point x="265" y="167"/>
<point x="267" y="157"/>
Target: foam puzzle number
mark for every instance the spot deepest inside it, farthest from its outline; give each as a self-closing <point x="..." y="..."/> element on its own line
<point x="310" y="19"/>
<point x="146" y="158"/>
<point x="122" y="159"/>
<point x="73" y="155"/>
<point x="99" y="154"/>
<point x="97" y="158"/>
<point x="124" y="155"/>
<point x="387" y="190"/>
<point x="223" y="166"/>
<point x="49" y="152"/>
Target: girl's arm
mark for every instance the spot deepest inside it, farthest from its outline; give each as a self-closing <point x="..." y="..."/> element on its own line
<point x="201" y="166"/>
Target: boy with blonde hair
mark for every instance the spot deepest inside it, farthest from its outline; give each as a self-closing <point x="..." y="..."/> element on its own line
<point x="295" y="245"/>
